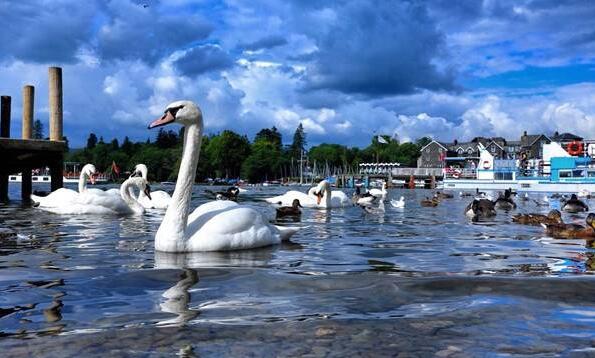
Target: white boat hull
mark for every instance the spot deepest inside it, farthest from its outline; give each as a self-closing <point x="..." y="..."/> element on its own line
<point x="538" y="186"/>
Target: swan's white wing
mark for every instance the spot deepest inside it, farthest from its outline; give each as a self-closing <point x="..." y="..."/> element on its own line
<point x="108" y="202"/>
<point x="160" y="199"/>
<point x="286" y="199"/>
<point x="210" y="207"/>
<point x="340" y="199"/>
<point x="58" y="197"/>
<point x="231" y="228"/>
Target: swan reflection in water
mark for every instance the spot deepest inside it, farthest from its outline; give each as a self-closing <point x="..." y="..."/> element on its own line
<point x="177" y="300"/>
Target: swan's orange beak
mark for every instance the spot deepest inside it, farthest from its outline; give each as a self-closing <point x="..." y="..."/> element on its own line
<point x="165" y="119"/>
<point x="318" y="198"/>
<point x="92" y="178"/>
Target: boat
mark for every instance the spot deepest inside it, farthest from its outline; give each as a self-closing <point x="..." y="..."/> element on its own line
<point x="558" y="171"/>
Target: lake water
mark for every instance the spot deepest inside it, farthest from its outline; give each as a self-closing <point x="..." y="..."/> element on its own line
<point x="416" y="281"/>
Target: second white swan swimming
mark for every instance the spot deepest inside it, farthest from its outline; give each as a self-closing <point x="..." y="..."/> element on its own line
<point x="320" y="197"/>
<point x="159" y="199"/>
<point x="87" y="203"/>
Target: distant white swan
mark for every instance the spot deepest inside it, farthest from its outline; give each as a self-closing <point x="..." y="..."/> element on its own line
<point x="378" y="192"/>
<point x="398" y="203"/>
<point x="64" y="195"/>
<point x="86" y="203"/>
<point x="320" y="197"/>
<point x="159" y="199"/>
<point x="214" y="226"/>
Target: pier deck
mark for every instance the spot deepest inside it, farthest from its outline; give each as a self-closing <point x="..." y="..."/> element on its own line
<point x="23" y="155"/>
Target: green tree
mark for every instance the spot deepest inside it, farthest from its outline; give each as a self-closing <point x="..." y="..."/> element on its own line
<point x="299" y="142"/>
<point x="227" y="152"/>
<point x="270" y="135"/>
<point x="91" y="141"/>
<point x="114" y="144"/>
<point x="38" y="130"/>
<point x="263" y="162"/>
<point x="127" y="146"/>
<point x="166" y="139"/>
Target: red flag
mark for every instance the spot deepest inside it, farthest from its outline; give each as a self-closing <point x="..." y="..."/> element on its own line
<point x="115" y="168"/>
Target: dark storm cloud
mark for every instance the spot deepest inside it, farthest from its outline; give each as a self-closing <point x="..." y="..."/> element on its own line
<point x="203" y="59"/>
<point x="135" y="32"/>
<point x="379" y="48"/>
<point x="42" y="31"/>
<point x="265" y="43"/>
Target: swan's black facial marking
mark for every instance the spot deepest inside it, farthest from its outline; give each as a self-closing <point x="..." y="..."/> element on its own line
<point x="169" y="116"/>
<point x="148" y="191"/>
<point x="174" y="110"/>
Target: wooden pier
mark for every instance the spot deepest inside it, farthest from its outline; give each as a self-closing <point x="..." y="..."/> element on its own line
<point x="23" y="155"/>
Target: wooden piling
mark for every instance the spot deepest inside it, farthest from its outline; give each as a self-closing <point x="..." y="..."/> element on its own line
<point x="5" y="116"/>
<point x="27" y="133"/>
<point x="28" y="100"/>
<point x="4" y="133"/>
<point x="55" y="87"/>
<point x="55" y="101"/>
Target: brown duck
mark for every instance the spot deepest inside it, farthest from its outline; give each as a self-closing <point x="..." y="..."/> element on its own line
<point x="443" y="195"/>
<point x="293" y="210"/>
<point x="553" y="217"/>
<point x="571" y="231"/>
<point x="434" y="201"/>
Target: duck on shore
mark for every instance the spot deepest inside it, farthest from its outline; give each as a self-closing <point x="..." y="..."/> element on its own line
<point x="574" y="205"/>
<point x="571" y="231"/>
<point x="553" y="217"/>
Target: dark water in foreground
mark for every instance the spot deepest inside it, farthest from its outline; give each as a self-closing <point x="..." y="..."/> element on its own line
<point x="422" y="281"/>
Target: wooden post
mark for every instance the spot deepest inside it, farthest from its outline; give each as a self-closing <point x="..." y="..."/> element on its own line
<point x="5" y="133"/>
<point x="56" y="174"/>
<point x="55" y="101"/>
<point x="27" y="133"/>
<point x="28" y="100"/>
<point x="5" y="116"/>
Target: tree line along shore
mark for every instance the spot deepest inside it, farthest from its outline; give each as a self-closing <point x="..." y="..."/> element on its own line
<point x="231" y="155"/>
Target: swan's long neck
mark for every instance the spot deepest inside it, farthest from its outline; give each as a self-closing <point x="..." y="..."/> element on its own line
<point x="126" y="194"/>
<point x="82" y="182"/>
<point x="170" y="235"/>
<point x="327" y="197"/>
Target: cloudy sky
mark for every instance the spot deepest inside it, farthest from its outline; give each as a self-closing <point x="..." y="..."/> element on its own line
<point x="344" y="69"/>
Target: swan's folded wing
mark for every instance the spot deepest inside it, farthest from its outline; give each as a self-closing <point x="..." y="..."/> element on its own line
<point x="287" y="199"/>
<point x="233" y="228"/>
<point x="59" y="197"/>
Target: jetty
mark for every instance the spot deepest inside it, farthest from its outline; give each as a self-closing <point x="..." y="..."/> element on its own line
<point x="24" y="154"/>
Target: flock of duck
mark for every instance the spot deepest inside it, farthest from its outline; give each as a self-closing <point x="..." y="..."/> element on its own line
<point x="223" y="224"/>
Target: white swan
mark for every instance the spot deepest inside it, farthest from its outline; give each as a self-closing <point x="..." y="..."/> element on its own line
<point x="398" y="203"/>
<point x="214" y="226"/>
<point x="85" y="203"/>
<point x="320" y="197"/>
<point x="159" y="199"/>
<point x="64" y="195"/>
<point x="379" y="193"/>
